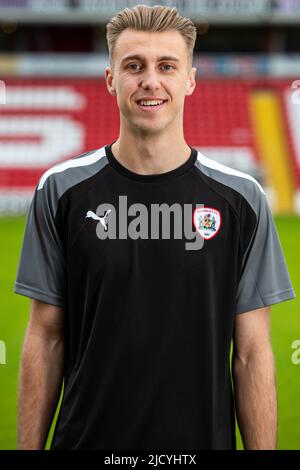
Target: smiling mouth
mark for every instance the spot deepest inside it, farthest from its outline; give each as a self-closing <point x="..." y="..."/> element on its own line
<point x="151" y="107"/>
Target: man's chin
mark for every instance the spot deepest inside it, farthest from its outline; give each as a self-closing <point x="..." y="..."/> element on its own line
<point x="149" y="128"/>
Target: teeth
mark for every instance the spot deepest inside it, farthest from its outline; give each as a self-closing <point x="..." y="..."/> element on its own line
<point x="150" y="103"/>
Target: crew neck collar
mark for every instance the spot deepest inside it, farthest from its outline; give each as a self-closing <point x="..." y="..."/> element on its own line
<point x="180" y="170"/>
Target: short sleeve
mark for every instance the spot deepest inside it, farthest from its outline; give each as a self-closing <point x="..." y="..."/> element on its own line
<point x="264" y="276"/>
<point x="41" y="270"/>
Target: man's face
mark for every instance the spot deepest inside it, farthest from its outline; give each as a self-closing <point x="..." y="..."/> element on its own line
<point x="150" y="65"/>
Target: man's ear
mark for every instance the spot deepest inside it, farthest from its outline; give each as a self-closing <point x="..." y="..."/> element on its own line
<point x="109" y="81"/>
<point x="191" y="81"/>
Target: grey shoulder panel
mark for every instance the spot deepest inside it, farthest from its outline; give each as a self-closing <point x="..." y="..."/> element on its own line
<point x="264" y="276"/>
<point x="42" y="266"/>
<point x="241" y="182"/>
<point x="71" y="172"/>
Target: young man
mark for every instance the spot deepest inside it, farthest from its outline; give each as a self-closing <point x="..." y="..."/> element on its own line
<point x="144" y="259"/>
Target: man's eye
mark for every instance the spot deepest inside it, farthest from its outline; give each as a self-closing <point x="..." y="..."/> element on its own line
<point x="168" y="65"/>
<point x="130" y="66"/>
<point x="133" y="66"/>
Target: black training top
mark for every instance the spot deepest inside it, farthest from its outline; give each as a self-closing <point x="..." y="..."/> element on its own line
<point x="151" y="271"/>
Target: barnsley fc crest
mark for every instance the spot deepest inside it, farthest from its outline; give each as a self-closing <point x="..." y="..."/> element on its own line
<point x="207" y="221"/>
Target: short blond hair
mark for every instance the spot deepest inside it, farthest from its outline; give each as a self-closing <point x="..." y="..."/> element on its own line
<point x="155" y="18"/>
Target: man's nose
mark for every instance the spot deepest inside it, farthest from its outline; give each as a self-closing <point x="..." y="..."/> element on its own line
<point x="150" y="78"/>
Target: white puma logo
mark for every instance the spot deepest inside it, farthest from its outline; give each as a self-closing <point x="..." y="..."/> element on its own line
<point x="101" y="219"/>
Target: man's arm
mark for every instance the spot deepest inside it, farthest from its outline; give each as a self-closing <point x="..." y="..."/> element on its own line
<point x="41" y="373"/>
<point x="254" y="381"/>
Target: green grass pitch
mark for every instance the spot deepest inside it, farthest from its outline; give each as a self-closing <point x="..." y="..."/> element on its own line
<point x="285" y="328"/>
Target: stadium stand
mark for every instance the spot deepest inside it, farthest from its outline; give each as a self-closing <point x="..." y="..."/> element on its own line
<point x="55" y="105"/>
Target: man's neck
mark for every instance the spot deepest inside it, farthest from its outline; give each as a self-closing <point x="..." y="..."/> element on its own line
<point x="148" y="156"/>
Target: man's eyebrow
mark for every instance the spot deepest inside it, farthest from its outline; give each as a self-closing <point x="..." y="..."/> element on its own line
<point x="139" y="57"/>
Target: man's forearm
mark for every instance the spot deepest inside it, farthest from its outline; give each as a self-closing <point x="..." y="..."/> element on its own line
<point x="256" y="400"/>
<point x="40" y="383"/>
